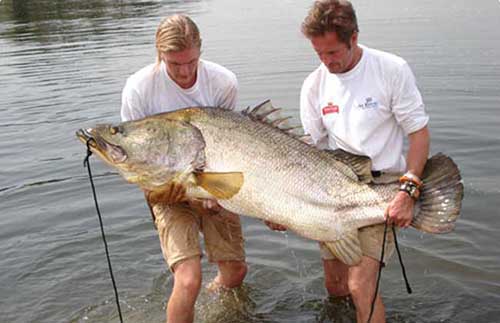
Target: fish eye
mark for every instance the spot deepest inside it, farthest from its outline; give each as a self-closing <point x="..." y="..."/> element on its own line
<point x="114" y="130"/>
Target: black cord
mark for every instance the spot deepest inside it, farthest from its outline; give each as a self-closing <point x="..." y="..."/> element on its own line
<point x="408" y="288"/>
<point x="381" y="265"/>
<point x="86" y="163"/>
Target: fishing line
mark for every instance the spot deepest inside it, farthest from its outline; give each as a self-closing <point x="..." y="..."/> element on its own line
<point x="86" y="162"/>
<point x="381" y="265"/>
<point x="403" y="270"/>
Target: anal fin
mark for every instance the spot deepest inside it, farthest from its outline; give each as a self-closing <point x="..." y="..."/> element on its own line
<point x="347" y="250"/>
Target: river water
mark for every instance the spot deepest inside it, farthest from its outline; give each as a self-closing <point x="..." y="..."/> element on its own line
<point x="63" y="64"/>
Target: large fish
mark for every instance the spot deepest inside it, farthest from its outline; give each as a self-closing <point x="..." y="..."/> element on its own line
<point x="254" y="167"/>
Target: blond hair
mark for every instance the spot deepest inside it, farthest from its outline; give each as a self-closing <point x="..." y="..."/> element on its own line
<point x="331" y="16"/>
<point x="176" y="33"/>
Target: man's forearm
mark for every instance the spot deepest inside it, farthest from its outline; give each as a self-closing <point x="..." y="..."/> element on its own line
<point x="418" y="151"/>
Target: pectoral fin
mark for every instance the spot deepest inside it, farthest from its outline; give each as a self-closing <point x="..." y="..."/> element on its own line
<point x="221" y="185"/>
<point x="347" y="250"/>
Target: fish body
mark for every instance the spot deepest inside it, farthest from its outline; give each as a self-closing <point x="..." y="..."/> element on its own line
<point x="254" y="168"/>
<point x="287" y="181"/>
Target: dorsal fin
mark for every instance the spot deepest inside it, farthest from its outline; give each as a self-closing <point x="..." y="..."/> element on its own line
<point x="277" y="122"/>
<point x="307" y="139"/>
<point x="355" y="166"/>
<point x="261" y="111"/>
<point x="266" y="113"/>
<point x="360" y="165"/>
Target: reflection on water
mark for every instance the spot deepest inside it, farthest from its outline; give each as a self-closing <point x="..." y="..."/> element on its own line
<point x="62" y="66"/>
<point x="49" y="21"/>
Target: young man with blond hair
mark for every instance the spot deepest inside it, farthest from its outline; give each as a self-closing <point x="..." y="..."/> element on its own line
<point x="181" y="79"/>
<point x="363" y="101"/>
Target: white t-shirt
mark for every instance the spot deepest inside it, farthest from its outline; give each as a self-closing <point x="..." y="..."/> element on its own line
<point x="366" y="111"/>
<point x="151" y="90"/>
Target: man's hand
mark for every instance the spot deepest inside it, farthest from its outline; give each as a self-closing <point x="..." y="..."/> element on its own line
<point x="172" y="194"/>
<point x="211" y="205"/>
<point x="275" y="226"/>
<point x="400" y="210"/>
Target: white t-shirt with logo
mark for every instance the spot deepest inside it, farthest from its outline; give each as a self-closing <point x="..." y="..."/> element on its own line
<point x="366" y="111"/>
<point x="151" y="90"/>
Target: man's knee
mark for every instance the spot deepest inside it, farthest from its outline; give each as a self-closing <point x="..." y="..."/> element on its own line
<point x="335" y="286"/>
<point x="232" y="273"/>
<point x="187" y="275"/>
<point x="359" y="289"/>
<point x="335" y="277"/>
<point x="240" y="271"/>
<point x="362" y="281"/>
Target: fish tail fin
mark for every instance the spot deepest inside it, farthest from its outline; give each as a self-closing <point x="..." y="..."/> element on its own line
<point x="441" y="196"/>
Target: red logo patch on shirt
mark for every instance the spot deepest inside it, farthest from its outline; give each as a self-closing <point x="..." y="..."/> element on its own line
<point x="330" y="108"/>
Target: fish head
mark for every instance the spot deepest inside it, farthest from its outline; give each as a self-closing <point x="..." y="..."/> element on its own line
<point x="150" y="152"/>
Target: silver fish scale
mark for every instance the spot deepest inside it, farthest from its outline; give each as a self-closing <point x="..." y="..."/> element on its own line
<point x="275" y="187"/>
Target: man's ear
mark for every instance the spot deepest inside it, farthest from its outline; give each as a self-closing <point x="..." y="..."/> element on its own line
<point x="354" y="39"/>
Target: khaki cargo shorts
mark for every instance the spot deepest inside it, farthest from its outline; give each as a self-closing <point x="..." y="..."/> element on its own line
<point x="179" y="227"/>
<point x="371" y="239"/>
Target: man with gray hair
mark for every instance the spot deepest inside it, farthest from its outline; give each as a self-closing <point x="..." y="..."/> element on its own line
<point x="181" y="79"/>
<point x="363" y="101"/>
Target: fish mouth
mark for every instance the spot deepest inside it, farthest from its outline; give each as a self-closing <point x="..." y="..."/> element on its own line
<point x="85" y="136"/>
<point x="112" y="154"/>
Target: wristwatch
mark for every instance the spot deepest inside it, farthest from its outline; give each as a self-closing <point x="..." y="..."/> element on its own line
<point x="411" y="188"/>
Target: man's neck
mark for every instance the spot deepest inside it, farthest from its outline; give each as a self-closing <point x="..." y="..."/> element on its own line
<point x="356" y="57"/>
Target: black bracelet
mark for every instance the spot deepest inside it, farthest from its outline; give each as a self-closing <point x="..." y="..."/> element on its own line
<point x="406" y="191"/>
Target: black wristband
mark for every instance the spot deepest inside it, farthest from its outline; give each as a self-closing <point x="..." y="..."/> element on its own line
<point x="411" y="189"/>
